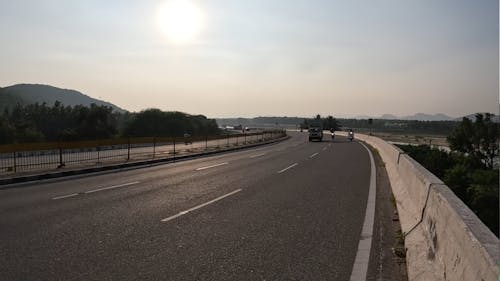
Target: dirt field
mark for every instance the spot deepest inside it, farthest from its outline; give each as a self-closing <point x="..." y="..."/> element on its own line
<point x="413" y="138"/>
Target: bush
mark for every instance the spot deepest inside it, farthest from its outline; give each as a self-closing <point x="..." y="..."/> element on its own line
<point x="475" y="184"/>
<point x="484" y="197"/>
<point x="40" y="122"/>
<point x="154" y="122"/>
<point x="458" y="180"/>
<point x="435" y="160"/>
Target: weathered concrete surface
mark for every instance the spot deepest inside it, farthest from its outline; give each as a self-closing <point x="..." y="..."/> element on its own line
<point x="445" y="240"/>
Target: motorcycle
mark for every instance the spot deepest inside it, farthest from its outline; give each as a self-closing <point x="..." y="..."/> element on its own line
<point x="350" y="136"/>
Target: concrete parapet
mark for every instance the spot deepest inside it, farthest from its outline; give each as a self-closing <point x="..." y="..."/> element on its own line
<point x="445" y="240"/>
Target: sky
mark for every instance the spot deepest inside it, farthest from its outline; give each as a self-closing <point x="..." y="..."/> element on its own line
<point x="262" y="57"/>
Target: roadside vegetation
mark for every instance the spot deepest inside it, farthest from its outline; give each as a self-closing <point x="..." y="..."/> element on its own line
<point x="48" y="123"/>
<point x="328" y="123"/>
<point x="405" y="127"/>
<point x="471" y="168"/>
<point x="157" y="123"/>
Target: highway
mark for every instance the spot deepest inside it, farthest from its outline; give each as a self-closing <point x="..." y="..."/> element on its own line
<point x="289" y="211"/>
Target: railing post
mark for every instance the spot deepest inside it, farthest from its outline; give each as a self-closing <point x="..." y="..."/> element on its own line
<point x="15" y="164"/>
<point x="228" y="140"/>
<point x="61" y="163"/>
<point x="174" y="148"/>
<point x="98" y="148"/>
<point x="154" y="147"/>
<point x="206" y="142"/>
<point x="128" y="149"/>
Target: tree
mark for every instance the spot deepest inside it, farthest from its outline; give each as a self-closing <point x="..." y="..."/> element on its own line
<point x="6" y="131"/>
<point x="304" y="124"/>
<point x="328" y="123"/>
<point x="154" y="122"/>
<point x="483" y="193"/>
<point x="478" y="139"/>
<point x="458" y="179"/>
<point x="331" y="123"/>
<point x="39" y="122"/>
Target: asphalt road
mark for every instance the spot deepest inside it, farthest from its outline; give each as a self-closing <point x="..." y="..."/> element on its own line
<point x="288" y="211"/>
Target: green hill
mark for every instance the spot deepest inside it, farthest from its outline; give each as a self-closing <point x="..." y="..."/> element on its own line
<point x="36" y="93"/>
<point x="8" y="100"/>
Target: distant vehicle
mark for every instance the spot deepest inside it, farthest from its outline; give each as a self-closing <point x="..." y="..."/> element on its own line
<point x="187" y="139"/>
<point x="316" y="132"/>
<point x="350" y="135"/>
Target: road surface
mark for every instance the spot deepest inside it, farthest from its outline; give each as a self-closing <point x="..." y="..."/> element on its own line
<point x="288" y="211"/>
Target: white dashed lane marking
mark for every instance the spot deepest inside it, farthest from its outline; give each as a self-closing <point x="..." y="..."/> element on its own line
<point x="211" y="166"/>
<point x="95" y="190"/>
<point x="200" y="206"/>
<point x="288" y="168"/>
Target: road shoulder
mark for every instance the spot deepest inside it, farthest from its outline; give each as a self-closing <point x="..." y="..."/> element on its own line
<point x="387" y="261"/>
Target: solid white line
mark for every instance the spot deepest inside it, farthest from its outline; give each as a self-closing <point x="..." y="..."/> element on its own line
<point x="360" y="268"/>
<point x="312" y="156"/>
<point x="110" y="187"/>
<point x="65" y="196"/>
<point x="201" y="206"/>
<point x="212" y="166"/>
<point x="289" y="167"/>
<point x="258" y="155"/>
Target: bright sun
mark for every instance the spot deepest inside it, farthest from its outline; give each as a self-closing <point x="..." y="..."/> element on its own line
<point x="180" y="20"/>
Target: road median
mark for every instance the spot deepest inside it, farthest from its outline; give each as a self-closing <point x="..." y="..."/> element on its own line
<point x="10" y="181"/>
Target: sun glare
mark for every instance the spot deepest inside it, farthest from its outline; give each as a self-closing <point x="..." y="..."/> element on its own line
<point x="180" y="20"/>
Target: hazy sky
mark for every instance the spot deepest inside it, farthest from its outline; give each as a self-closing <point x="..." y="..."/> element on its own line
<point x="262" y="57"/>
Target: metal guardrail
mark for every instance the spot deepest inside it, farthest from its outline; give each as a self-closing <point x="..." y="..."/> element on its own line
<point x="16" y="158"/>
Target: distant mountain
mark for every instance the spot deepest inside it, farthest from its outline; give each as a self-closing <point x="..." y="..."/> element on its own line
<point x="389" y="116"/>
<point x="37" y="93"/>
<point x="418" y="116"/>
<point x="8" y="100"/>
<point x="360" y="117"/>
<point x="429" y="117"/>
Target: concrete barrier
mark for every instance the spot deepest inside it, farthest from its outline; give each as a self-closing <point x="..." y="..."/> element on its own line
<point x="445" y="240"/>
